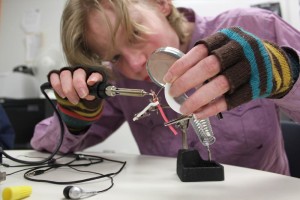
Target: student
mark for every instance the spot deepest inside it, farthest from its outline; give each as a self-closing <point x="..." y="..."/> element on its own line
<point x="124" y="33"/>
<point x="7" y="134"/>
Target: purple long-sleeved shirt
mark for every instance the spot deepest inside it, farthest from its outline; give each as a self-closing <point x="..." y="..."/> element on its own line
<point x="248" y="135"/>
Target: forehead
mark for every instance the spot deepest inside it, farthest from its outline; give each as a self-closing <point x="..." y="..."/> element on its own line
<point x="98" y="32"/>
<point x="101" y="26"/>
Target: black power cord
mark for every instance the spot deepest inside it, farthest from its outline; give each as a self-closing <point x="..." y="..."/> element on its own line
<point x="39" y="170"/>
<point x="78" y="160"/>
<point x="43" y="87"/>
<point x="50" y="163"/>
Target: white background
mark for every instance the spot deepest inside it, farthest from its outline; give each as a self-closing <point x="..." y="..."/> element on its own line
<point x="12" y="40"/>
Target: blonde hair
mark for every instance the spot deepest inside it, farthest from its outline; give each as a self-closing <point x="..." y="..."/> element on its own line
<point x="73" y="27"/>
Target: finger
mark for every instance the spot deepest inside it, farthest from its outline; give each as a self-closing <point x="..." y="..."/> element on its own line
<point x="205" y="94"/>
<point x="67" y="86"/>
<point x="197" y="75"/>
<point x="56" y="84"/>
<point x="79" y="82"/>
<point x="215" y="107"/>
<point x="90" y="97"/>
<point x="94" y="78"/>
<point x="185" y="62"/>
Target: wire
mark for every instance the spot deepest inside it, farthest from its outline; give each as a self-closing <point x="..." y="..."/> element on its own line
<point x="78" y="157"/>
<point x="91" y="160"/>
<point x="162" y="113"/>
<point x="50" y="163"/>
<point x="43" y="87"/>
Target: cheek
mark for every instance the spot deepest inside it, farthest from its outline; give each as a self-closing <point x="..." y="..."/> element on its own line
<point x="164" y="34"/>
<point x="128" y="72"/>
<point x="122" y="69"/>
<point x="165" y="38"/>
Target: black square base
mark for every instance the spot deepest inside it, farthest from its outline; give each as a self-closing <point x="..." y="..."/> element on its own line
<point x="192" y="168"/>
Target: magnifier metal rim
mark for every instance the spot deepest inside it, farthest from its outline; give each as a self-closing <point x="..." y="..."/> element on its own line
<point x="176" y="53"/>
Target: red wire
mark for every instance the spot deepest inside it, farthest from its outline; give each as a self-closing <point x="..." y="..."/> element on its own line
<point x="166" y="119"/>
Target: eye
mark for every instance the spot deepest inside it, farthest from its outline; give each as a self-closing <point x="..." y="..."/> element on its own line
<point x="136" y="33"/>
<point x="116" y="58"/>
<point x="135" y="37"/>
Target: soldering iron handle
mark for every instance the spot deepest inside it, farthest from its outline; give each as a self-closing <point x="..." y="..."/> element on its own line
<point x="99" y="89"/>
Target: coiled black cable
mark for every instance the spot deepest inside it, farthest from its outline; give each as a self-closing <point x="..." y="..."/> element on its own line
<point x="43" y="88"/>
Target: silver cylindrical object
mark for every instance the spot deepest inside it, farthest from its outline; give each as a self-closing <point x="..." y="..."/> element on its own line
<point x="113" y="91"/>
<point x="203" y="131"/>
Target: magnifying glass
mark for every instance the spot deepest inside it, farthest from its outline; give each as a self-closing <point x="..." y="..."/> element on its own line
<point x="157" y="66"/>
<point x="159" y="63"/>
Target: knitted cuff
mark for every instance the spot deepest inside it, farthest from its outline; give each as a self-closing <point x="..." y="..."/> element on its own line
<point x="294" y="60"/>
<point x="81" y="116"/>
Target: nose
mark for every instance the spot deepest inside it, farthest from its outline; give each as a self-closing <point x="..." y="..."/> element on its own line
<point x="135" y="59"/>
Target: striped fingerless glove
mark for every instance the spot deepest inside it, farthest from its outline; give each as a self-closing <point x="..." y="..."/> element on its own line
<point x="253" y="67"/>
<point x="79" y="117"/>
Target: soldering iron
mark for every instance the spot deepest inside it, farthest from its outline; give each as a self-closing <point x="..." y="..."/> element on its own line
<point x="104" y="90"/>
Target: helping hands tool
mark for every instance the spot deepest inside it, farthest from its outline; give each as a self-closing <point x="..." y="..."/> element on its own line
<point x="190" y="165"/>
<point x="202" y="128"/>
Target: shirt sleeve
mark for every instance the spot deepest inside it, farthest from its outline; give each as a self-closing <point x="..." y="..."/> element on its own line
<point x="286" y="35"/>
<point x="290" y="103"/>
<point x="47" y="133"/>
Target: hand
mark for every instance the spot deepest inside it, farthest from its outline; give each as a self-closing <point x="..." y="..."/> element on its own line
<point x="184" y="75"/>
<point x="72" y="82"/>
<point x="228" y="69"/>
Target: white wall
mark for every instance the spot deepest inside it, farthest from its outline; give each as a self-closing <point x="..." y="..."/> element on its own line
<point x="289" y="8"/>
<point x="12" y="36"/>
<point x="12" y="46"/>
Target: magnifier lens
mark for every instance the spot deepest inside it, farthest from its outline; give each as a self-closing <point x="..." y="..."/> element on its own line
<point x="157" y="66"/>
<point x="160" y="61"/>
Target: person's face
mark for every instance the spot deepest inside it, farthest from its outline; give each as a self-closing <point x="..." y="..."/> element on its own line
<point x="130" y="58"/>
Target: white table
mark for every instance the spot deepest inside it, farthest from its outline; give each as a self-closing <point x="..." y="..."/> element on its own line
<point x="155" y="178"/>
